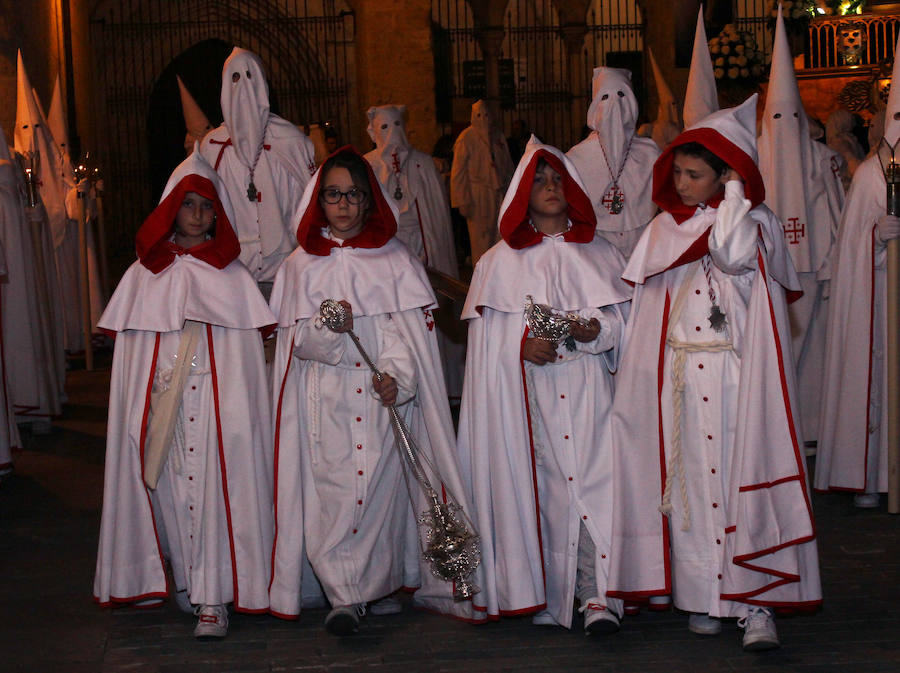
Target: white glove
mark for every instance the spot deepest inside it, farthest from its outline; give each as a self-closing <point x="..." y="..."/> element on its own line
<point x="887" y="227"/>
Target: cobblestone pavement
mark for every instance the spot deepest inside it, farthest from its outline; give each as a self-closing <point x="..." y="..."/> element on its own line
<point x="49" y="518"/>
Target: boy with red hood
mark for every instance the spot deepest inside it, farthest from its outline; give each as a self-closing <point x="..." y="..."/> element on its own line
<point x="534" y="415"/>
<point x="712" y="504"/>
<point x="188" y="458"/>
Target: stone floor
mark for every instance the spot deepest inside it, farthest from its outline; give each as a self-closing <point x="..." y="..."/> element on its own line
<point x="49" y="517"/>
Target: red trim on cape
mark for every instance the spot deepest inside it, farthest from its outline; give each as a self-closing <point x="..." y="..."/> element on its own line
<point x="664" y="194"/>
<point x="142" y="444"/>
<point x="666" y="549"/>
<point x="768" y="484"/>
<point x="515" y="225"/>
<point x="421" y="231"/>
<point x="222" y="467"/>
<point x="380" y="225"/>
<point x="277" y="443"/>
<point x="156" y="251"/>
<point x="537" y="500"/>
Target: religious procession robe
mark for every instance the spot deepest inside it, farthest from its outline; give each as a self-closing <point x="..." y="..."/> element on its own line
<point x="340" y="492"/>
<point x="210" y="514"/>
<point x="533" y="439"/>
<point x="705" y="420"/>
<point x="853" y="429"/>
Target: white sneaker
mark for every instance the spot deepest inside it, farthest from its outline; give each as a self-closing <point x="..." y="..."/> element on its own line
<point x="759" y="630"/>
<point x="212" y="622"/>
<point x="866" y="500"/>
<point x="183" y="601"/>
<point x="389" y="605"/>
<point x="660" y="603"/>
<point x="704" y="624"/>
<point x="598" y="618"/>
<point x="343" y="620"/>
<point x="544" y="618"/>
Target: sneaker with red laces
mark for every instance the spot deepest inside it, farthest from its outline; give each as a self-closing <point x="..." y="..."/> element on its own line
<point x="212" y="622"/>
<point x="597" y="617"/>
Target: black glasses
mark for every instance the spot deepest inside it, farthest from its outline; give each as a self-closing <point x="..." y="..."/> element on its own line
<point x="354" y="195"/>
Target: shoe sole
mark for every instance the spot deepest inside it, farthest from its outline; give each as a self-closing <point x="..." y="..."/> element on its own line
<point x="208" y="637"/>
<point x="341" y="625"/>
<point x="705" y="631"/>
<point x="761" y="645"/>
<point x="601" y="627"/>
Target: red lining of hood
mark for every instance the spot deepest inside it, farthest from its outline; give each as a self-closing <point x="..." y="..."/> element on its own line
<point x="664" y="194"/>
<point x="514" y="223"/>
<point x="379" y="227"/>
<point x="156" y="251"/>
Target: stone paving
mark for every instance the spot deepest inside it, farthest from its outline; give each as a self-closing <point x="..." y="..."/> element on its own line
<point x="49" y="518"/>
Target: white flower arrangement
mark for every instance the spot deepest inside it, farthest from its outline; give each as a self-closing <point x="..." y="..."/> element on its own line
<point x="735" y="54"/>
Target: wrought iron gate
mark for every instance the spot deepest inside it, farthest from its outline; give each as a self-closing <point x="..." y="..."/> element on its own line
<point x="305" y="45"/>
<point x="541" y="83"/>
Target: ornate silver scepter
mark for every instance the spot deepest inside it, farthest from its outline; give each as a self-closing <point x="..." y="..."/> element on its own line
<point x="452" y="545"/>
<point x="551" y="324"/>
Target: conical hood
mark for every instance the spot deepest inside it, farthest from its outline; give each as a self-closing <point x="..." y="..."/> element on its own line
<point x="195" y="121"/>
<point x="892" y="111"/>
<point x="57" y="119"/>
<point x="613" y="113"/>
<point x="28" y="112"/>
<point x="245" y="103"/>
<point x="700" y="99"/>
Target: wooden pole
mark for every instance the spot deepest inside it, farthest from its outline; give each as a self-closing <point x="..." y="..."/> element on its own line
<point x="101" y="243"/>
<point x="893" y="374"/>
<point x="85" y="281"/>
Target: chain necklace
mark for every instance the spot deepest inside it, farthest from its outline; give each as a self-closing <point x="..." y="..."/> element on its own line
<point x="617" y="199"/>
<point x="251" y="188"/>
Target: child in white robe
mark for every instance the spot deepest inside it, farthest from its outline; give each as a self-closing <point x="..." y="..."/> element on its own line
<point x="341" y="495"/>
<point x="713" y="506"/>
<point x="188" y="457"/>
<point x="533" y="425"/>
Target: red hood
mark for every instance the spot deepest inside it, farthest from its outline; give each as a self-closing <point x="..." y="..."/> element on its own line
<point x="664" y="194"/>
<point x="514" y="221"/>
<point x="380" y="225"/>
<point x="156" y="251"/>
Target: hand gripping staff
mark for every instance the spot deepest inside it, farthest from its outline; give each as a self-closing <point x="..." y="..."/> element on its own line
<point x="452" y="545"/>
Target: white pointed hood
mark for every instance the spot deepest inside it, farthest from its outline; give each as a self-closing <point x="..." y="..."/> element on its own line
<point x="613" y="113"/>
<point x="785" y="152"/>
<point x="667" y="124"/>
<point x="33" y="139"/>
<point x="195" y="121"/>
<point x="700" y="99"/>
<point x="892" y="111"/>
<point x="388" y="131"/>
<point x="245" y="102"/>
<point x="481" y="119"/>
<point x="59" y="126"/>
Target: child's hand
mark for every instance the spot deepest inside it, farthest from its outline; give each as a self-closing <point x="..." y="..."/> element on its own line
<point x="585" y="333"/>
<point x="386" y="389"/>
<point x="348" y="322"/>
<point x="538" y="351"/>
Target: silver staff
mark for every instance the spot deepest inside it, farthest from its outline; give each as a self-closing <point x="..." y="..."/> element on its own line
<point x="452" y="545"/>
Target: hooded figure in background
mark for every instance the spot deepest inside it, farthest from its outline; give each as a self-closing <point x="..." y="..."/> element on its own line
<point x="341" y="498"/>
<point x="839" y="136"/>
<point x="700" y="97"/>
<point x="481" y="171"/>
<point x="613" y="161"/>
<point x="852" y="453"/>
<point x="711" y="502"/>
<point x="265" y="162"/>
<point x="804" y="191"/>
<point x="411" y="179"/>
<point x="533" y="438"/>
<point x="195" y="122"/>
<point x="188" y="475"/>
<point x="32" y="342"/>
<point x="666" y="127"/>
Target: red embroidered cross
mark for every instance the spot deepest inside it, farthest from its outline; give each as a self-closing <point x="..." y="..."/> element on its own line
<point x="396" y="161"/>
<point x="612" y="194"/>
<point x="311" y="167"/>
<point x="794" y="230"/>
<point x="429" y="320"/>
<point x="835" y="168"/>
